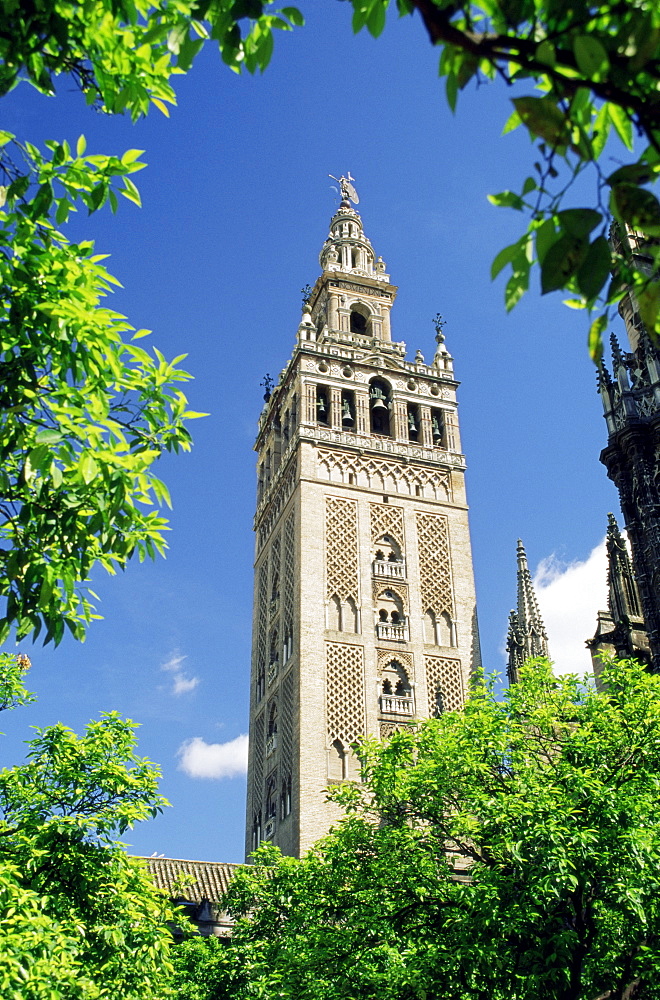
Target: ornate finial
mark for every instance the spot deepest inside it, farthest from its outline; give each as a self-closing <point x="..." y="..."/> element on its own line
<point x="439" y="323"/>
<point x="267" y="382"/>
<point x="306" y="292"/>
<point x="419" y="358"/>
<point x="348" y="192"/>
<point x="617" y="356"/>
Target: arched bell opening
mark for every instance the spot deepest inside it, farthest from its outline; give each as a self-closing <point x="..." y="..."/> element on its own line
<point x="322" y="405"/>
<point x="347" y="409"/>
<point x="380" y="405"/>
<point x="414" y="422"/>
<point x="438" y="431"/>
<point x="360" y="321"/>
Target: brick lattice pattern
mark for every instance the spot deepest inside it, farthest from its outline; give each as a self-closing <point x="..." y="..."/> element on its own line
<point x="344" y="692"/>
<point x="258" y="758"/>
<point x="341" y="546"/>
<point x="288" y="568"/>
<point x="444" y="683"/>
<point x="434" y="564"/>
<point x="286" y="699"/>
<point x="386" y="520"/>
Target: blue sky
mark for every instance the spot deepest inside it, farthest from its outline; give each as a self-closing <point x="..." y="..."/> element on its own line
<point x="236" y="206"/>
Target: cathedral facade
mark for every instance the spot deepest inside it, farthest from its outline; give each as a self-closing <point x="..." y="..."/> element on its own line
<point x="364" y="605"/>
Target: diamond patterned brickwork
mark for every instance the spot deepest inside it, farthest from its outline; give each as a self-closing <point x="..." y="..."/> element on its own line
<point x="262" y="619"/>
<point x="386" y="520"/>
<point x="286" y="700"/>
<point x="434" y="564"/>
<point x="341" y="547"/>
<point x="258" y="759"/>
<point x="344" y="692"/>
<point x="444" y="682"/>
<point x="288" y="572"/>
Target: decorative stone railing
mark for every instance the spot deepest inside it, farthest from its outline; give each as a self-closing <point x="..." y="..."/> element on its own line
<point x="389" y="570"/>
<point x="394" y="704"/>
<point x="391" y="631"/>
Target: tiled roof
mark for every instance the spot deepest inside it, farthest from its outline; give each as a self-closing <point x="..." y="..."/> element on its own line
<point x="196" y="880"/>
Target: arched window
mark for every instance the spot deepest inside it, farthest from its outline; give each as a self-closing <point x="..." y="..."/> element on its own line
<point x="438" y="428"/>
<point x="430" y="634"/>
<point x="350" y="616"/>
<point x="322" y="405"/>
<point x="334" y="613"/>
<point x="347" y="409"/>
<point x="380" y="404"/>
<point x="445" y="630"/>
<point x="272" y="719"/>
<point x="337" y="761"/>
<point x="359" y="320"/>
<point x="413" y="422"/>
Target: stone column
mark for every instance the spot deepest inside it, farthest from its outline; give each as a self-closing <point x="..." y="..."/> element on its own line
<point x="335" y="409"/>
<point x="426" y="435"/>
<point x="362" y="411"/>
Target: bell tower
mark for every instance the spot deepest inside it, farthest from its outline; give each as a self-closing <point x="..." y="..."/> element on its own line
<point x="364" y="607"/>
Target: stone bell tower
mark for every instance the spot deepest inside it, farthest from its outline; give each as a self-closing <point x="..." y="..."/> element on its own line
<point x="364" y="607"/>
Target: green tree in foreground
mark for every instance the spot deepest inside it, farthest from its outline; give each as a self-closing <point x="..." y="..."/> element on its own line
<point x="84" y="410"/>
<point x="510" y="851"/>
<point x="80" y="919"/>
<point x="579" y="73"/>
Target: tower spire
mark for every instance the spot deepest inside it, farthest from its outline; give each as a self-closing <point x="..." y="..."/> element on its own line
<point x="526" y="636"/>
<point x="621" y="629"/>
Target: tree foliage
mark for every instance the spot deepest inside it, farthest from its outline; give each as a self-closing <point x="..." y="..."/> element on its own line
<point x="85" y="411"/>
<point x="73" y="904"/>
<point x="580" y="73"/>
<point x="510" y="851"/>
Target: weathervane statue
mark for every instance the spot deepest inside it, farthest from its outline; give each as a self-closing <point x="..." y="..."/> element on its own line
<point x="348" y="192"/>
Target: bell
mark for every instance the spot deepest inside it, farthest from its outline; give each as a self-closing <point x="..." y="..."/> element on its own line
<point x="412" y="423"/>
<point x="377" y="400"/>
<point x="346" y="415"/>
<point x="321" y="407"/>
<point x="435" y="427"/>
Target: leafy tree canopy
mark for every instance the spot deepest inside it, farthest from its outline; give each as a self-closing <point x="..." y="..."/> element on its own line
<point x="85" y="411"/>
<point x="509" y="851"/>
<point x="581" y="73"/>
<point x="73" y="904"/>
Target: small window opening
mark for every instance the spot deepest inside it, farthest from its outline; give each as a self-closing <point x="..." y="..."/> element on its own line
<point x="358" y="322"/>
<point x="413" y="423"/>
<point x="380" y="405"/>
<point x="322" y="408"/>
<point x="438" y="428"/>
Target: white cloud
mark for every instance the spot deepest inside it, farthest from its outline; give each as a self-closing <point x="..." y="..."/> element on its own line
<point x="570" y="595"/>
<point x="182" y="682"/>
<point x="173" y="663"/>
<point x="199" y="759"/>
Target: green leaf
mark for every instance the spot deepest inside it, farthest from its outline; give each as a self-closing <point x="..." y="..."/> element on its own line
<point x="451" y="88"/>
<point x="88" y="467"/>
<point x="636" y="206"/>
<point x="507" y="199"/>
<point x="544" y="119"/>
<point x="504" y="257"/>
<point x="591" y="57"/>
<point x="622" y="123"/>
<point x="595" y="340"/>
<point x="561" y="262"/>
<point x="294" y="15"/>
<point x="546" y="235"/>
<point x="595" y="270"/>
<point x="579" y="221"/>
